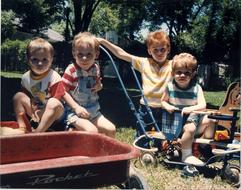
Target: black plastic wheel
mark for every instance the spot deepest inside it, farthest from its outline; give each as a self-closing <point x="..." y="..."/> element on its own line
<point x="136" y="181"/>
<point x="232" y="174"/>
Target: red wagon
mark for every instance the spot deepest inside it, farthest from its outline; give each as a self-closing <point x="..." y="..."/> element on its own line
<point x="66" y="160"/>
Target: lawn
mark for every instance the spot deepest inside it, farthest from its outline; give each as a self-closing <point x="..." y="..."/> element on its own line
<point x="11" y="74"/>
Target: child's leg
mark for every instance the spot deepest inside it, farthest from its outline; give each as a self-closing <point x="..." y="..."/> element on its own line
<point x="207" y="127"/>
<point x="82" y="124"/>
<point x="21" y="103"/>
<point x="188" y="135"/>
<point x="53" y="111"/>
<point x="186" y="142"/>
<point x="105" y="126"/>
<point x="206" y="130"/>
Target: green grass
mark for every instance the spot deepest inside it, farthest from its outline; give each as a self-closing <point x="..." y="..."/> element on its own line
<point x="11" y="74"/>
<point x="214" y="98"/>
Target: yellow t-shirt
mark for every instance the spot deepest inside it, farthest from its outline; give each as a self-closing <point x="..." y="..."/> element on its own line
<point x="154" y="78"/>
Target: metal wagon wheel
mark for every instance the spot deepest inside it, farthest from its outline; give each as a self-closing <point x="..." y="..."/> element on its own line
<point x="148" y="159"/>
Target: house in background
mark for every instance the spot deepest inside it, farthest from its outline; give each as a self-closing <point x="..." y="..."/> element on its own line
<point x="48" y="34"/>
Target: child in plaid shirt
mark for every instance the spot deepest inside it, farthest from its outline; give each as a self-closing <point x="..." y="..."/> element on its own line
<point x="185" y="94"/>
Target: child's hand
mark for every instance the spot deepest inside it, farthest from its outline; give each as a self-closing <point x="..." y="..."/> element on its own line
<point x="171" y="108"/>
<point x="97" y="87"/>
<point x="82" y="112"/>
<point x="187" y="110"/>
<point x="99" y="40"/>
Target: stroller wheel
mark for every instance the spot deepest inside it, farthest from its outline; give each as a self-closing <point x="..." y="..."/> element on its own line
<point x="232" y="174"/>
<point x="148" y="159"/>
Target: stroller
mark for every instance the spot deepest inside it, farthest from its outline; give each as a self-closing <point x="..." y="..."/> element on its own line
<point x="159" y="144"/>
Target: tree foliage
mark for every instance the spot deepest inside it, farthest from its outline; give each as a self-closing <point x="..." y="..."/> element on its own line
<point x="33" y="15"/>
<point x="7" y="27"/>
<point x="130" y="14"/>
<point x="210" y="29"/>
<point x="104" y="19"/>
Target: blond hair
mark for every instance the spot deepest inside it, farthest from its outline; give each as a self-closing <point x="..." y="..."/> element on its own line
<point x="158" y="36"/>
<point x="184" y="60"/>
<point x="39" y="44"/>
<point x="88" y="38"/>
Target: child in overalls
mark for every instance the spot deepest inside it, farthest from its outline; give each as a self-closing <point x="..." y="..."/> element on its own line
<point x="82" y="81"/>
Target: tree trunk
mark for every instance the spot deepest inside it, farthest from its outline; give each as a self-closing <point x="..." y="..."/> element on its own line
<point x="207" y="51"/>
<point x="77" y="15"/>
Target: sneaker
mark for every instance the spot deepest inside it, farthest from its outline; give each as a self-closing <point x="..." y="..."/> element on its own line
<point x="189" y="171"/>
<point x="193" y="161"/>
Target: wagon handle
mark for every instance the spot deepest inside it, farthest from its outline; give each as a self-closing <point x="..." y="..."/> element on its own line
<point x="26" y="122"/>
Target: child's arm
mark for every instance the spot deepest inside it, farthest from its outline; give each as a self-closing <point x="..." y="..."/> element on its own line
<point x="117" y="51"/>
<point x="165" y="105"/>
<point x="79" y="110"/>
<point x="201" y="103"/>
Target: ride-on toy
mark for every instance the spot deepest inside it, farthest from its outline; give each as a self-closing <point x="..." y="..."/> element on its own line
<point x="224" y="147"/>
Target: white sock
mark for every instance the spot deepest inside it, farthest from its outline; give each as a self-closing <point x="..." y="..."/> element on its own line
<point x="186" y="153"/>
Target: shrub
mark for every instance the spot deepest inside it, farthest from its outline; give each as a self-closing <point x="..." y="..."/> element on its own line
<point x="7" y="27"/>
<point x="13" y="55"/>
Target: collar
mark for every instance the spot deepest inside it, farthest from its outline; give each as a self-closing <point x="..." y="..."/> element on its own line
<point x="35" y="76"/>
<point x="159" y="65"/>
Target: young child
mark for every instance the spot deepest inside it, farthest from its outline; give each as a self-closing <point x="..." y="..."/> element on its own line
<point x="42" y="88"/>
<point x="155" y="71"/>
<point x="184" y="93"/>
<point x="82" y="81"/>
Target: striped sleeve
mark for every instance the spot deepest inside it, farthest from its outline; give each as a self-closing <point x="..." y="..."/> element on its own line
<point x="70" y="78"/>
